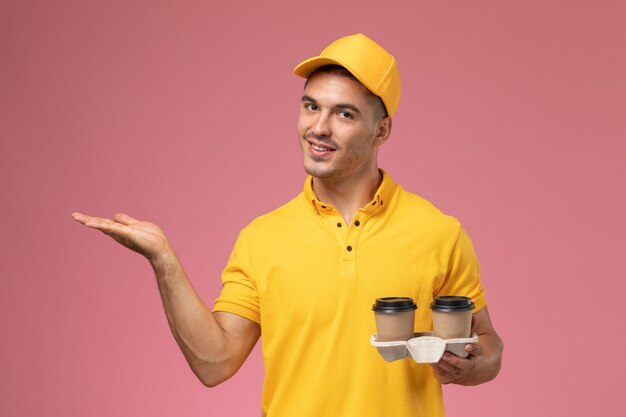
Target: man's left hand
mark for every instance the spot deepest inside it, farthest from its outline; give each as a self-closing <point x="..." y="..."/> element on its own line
<point x="455" y="369"/>
<point x="483" y="362"/>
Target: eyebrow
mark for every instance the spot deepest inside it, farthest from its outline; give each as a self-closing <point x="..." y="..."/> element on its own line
<point x="348" y="106"/>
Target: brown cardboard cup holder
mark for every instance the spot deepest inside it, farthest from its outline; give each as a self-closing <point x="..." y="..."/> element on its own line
<point x="423" y="348"/>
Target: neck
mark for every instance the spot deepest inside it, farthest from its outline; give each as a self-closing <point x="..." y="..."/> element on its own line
<point x="349" y="194"/>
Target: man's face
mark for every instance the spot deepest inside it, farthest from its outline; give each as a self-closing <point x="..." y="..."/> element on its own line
<point x="338" y="127"/>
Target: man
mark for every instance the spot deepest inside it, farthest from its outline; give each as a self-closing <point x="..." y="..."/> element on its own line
<point x="307" y="273"/>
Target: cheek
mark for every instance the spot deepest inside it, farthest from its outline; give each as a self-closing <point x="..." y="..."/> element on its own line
<point x="301" y="124"/>
<point x="361" y="145"/>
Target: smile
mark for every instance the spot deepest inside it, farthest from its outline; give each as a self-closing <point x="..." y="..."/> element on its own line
<point x="319" y="148"/>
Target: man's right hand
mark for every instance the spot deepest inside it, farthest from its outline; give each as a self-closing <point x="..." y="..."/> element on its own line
<point x="215" y="345"/>
<point x="142" y="237"/>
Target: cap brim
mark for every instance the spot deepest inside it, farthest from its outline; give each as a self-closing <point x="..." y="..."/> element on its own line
<point x="305" y="68"/>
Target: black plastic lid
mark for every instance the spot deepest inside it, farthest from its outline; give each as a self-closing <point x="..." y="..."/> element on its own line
<point x="452" y="303"/>
<point x="394" y="305"/>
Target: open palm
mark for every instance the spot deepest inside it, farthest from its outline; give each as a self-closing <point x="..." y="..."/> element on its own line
<point x="143" y="237"/>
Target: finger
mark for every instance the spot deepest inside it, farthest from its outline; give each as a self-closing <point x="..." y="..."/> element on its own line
<point x="124" y="219"/>
<point x="79" y="217"/>
<point x="445" y="368"/>
<point x="474" y="349"/>
<point x="83" y="218"/>
<point x="107" y="226"/>
<point x="455" y="364"/>
<point x="441" y="374"/>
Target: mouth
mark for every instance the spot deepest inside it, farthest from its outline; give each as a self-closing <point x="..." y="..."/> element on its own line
<point x="320" y="148"/>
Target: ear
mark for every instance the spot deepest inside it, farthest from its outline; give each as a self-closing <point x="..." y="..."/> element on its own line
<point x="383" y="130"/>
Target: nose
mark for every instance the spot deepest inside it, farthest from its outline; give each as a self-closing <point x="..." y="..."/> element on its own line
<point x="321" y="125"/>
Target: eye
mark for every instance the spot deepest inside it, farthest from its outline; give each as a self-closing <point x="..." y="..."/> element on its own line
<point x="346" y="115"/>
<point x="310" y="106"/>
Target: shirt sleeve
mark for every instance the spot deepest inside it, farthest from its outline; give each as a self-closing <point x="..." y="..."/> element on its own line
<point x="463" y="273"/>
<point x="239" y="290"/>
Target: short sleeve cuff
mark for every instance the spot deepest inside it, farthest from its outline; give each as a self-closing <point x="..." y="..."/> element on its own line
<point x="237" y="309"/>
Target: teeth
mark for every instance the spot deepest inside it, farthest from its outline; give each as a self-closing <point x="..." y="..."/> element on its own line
<point x="320" y="148"/>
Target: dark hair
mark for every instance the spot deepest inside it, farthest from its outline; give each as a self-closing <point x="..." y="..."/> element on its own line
<point x="380" y="111"/>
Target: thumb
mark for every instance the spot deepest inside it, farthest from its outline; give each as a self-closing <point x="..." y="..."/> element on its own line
<point x="474" y="349"/>
<point x="124" y="219"/>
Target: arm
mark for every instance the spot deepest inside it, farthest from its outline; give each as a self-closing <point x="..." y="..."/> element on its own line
<point x="214" y="344"/>
<point x="483" y="362"/>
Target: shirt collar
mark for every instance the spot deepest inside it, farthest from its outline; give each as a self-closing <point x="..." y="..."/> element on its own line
<point x="381" y="197"/>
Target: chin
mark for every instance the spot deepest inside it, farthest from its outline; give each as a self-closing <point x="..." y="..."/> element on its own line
<point x="318" y="171"/>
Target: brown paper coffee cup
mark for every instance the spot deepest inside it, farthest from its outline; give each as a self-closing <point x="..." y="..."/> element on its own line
<point x="395" y="318"/>
<point x="452" y="317"/>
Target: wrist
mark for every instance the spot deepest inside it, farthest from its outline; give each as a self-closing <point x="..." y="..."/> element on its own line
<point x="164" y="259"/>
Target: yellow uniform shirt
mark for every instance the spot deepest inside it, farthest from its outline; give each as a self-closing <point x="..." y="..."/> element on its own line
<point x="310" y="281"/>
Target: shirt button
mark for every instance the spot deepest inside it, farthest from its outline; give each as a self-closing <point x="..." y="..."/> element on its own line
<point x="374" y="203"/>
<point x="381" y="202"/>
<point x="349" y="248"/>
<point x="357" y="223"/>
<point x="338" y="224"/>
<point x="323" y="206"/>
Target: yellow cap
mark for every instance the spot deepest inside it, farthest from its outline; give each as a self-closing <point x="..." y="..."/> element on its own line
<point x="374" y="67"/>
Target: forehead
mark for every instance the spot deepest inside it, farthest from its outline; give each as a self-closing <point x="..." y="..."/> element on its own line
<point x="335" y="87"/>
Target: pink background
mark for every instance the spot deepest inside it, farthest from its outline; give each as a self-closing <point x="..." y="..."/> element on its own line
<point x="512" y="119"/>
